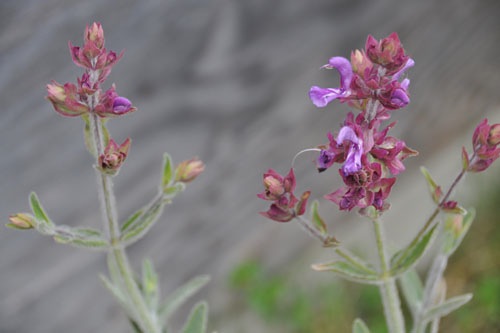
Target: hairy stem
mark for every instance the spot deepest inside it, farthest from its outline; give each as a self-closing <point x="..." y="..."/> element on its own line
<point x="390" y="297"/>
<point x="144" y="317"/>
<point x="436" y="211"/>
<point x="306" y="225"/>
<point x="434" y="277"/>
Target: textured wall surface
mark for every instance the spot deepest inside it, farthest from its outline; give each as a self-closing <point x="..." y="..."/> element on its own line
<point x="226" y="81"/>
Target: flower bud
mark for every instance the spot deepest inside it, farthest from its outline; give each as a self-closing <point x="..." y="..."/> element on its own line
<point x="274" y="186"/>
<point x="494" y="135"/>
<point x="21" y="221"/>
<point x="114" y="156"/>
<point x="65" y="99"/>
<point x="94" y="34"/>
<point x="112" y="105"/>
<point x="188" y="170"/>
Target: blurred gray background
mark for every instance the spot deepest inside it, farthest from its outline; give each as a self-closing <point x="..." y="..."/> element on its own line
<point x="226" y="81"/>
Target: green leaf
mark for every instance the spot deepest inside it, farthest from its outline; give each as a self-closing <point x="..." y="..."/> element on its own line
<point x="38" y="210"/>
<point x="81" y="237"/>
<point x="407" y="258"/>
<point x="130" y="221"/>
<point x="89" y="136"/>
<point x="168" y="171"/>
<point x="412" y="289"/>
<point x="197" y="320"/>
<point x="446" y="307"/>
<point x="465" y="159"/>
<point x="455" y="229"/>
<point x="434" y="188"/>
<point x="104" y="131"/>
<point x="180" y="295"/>
<point x="171" y="191"/>
<point x="117" y="293"/>
<point x="359" y="326"/>
<point x="316" y="218"/>
<point x="150" y="285"/>
<point x="348" y="271"/>
<point x="356" y="261"/>
<point x="140" y="226"/>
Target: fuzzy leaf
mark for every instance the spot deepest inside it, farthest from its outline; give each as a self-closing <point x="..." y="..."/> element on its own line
<point x="434" y="188"/>
<point x="408" y="257"/>
<point x="465" y="159"/>
<point x="168" y="171"/>
<point x="104" y="131"/>
<point x="143" y="223"/>
<point x="117" y="293"/>
<point x="412" y="289"/>
<point x="150" y="285"/>
<point x="316" y="218"/>
<point x="180" y="295"/>
<point x="359" y="326"/>
<point x="356" y="261"/>
<point x="81" y="237"/>
<point x="89" y="136"/>
<point x="38" y="210"/>
<point x="456" y="227"/>
<point x="446" y="307"/>
<point x="130" y="221"/>
<point x="170" y="192"/>
<point x="197" y="320"/>
<point x="348" y="271"/>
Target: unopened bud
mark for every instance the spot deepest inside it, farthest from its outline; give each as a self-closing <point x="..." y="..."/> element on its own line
<point x="114" y="156"/>
<point x="188" y="170"/>
<point x="65" y="99"/>
<point x="21" y="221"/>
<point x="494" y="135"/>
<point x="94" y="34"/>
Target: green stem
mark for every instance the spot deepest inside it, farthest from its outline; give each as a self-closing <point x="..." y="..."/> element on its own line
<point x="145" y="318"/>
<point x="388" y="291"/>
<point x="445" y="198"/>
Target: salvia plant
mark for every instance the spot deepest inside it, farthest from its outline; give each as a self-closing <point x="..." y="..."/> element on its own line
<point x="138" y="294"/>
<point x="373" y="84"/>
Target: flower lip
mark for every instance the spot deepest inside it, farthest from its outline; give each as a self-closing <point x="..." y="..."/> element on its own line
<point x="322" y="96"/>
<point x="353" y="160"/>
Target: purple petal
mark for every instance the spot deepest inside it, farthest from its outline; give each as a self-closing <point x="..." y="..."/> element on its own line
<point x="400" y="98"/>
<point x="121" y="104"/>
<point x="347" y="133"/>
<point x="345" y="70"/>
<point x="322" y="96"/>
<point x="409" y="63"/>
<point x="352" y="163"/>
<point x="325" y="160"/>
<point x="405" y="84"/>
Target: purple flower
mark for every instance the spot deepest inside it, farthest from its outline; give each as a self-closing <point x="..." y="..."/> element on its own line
<point x="352" y="163"/>
<point x="322" y="96"/>
<point x="325" y="160"/>
<point x="121" y="105"/>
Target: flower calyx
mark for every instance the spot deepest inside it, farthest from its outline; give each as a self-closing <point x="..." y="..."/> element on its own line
<point x="113" y="157"/>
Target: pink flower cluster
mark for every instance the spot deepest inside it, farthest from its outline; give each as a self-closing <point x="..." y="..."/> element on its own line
<point x="371" y="83"/>
<point x="86" y="97"/>
<point x="279" y="190"/>
<point x="485" y="144"/>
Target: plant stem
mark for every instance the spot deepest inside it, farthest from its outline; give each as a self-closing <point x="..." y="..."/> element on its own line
<point x="144" y="317"/>
<point x="445" y="198"/>
<point x="306" y="225"/>
<point x="434" y="277"/>
<point x="390" y="297"/>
